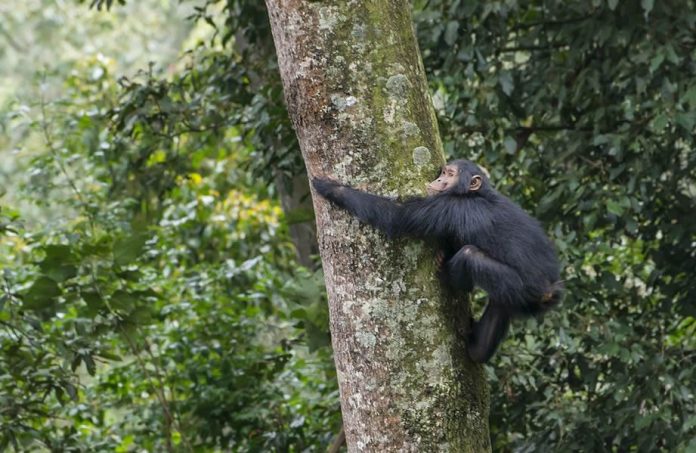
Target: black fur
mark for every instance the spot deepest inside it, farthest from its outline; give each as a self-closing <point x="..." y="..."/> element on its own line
<point x="487" y="241"/>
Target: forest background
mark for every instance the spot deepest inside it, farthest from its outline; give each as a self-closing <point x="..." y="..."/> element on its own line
<point x="157" y="290"/>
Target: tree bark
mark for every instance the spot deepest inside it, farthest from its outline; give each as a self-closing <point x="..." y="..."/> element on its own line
<point x="357" y="95"/>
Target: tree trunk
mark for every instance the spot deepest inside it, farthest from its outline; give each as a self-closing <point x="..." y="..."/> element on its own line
<point x="357" y="95"/>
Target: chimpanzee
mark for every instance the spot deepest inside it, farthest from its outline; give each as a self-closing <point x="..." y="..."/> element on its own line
<point x="484" y="240"/>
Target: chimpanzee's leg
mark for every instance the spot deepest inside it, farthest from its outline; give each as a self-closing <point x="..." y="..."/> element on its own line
<point x="504" y="287"/>
<point x="462" y="283"/>
<point x="487" y="333"/>
<point x="502" y="283"/>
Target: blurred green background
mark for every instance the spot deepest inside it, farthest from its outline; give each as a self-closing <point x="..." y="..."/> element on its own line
<point x="155" y="294"/>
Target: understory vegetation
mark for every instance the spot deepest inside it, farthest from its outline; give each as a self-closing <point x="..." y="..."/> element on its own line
<point x="152" y="297"/>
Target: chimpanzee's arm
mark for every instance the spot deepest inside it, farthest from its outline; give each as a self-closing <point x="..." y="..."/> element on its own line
<point x="383" y="213"/>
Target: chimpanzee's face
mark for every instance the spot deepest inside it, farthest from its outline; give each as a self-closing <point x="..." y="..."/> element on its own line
<point x="449" y="177"/>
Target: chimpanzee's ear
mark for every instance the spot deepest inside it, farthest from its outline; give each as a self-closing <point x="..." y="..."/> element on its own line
<point x="485" y="171"/>
<point x="475" y="183"/>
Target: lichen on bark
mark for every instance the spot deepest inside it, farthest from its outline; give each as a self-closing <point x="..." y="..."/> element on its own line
<point x="358" y="98"/>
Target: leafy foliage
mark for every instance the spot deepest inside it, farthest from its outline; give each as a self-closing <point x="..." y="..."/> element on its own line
<point x="161" y="308"/>
<point x="150" y="296"/>
<point x="584" y="111"/>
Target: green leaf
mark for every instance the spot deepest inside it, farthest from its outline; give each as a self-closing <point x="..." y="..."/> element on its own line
<point x="505" y="80"/>
<point x="690" y="96"/>
<point x="58" y="251"/>
<point x="647" y="6"/>
<point x="89" y="364"/>
<point x="72" y="391"/>
<point x="59" y="263"/>
<point x="316" y="313"/>
<point x="601" y="139"/>
<point x="123" y="301"/>
<point x="614" y="207"/>
<point x="110" y="356"/>
<point x="77" y="359"/>
<point x="127" y="250"/>
<point x="41" y="294"/>
<point x="612" y="4"/>
<point x="510" y="145"/>
<point x="689" y="424"/>
<point x="451" y="32"/>
<point x="141" y="316"/>
<point x="58" y="391"/>
<point x="659" y="122"/>
<point x="631" y="226"/>
<point x="656" y="62"/>
<point x="686" y="120"/>
<point x="94" y="301"/>
<point x="642" y="422"/>
<point x="317" y="337"/>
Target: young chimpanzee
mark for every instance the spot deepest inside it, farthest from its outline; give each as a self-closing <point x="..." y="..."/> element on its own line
<point x="485" y="240"/>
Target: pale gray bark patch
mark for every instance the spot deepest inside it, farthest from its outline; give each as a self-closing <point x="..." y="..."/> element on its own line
<point x="359" y="102"/>
<point x="421" y="156"/>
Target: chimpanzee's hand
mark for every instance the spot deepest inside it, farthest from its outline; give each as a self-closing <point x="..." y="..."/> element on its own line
<point x="326" y="187"/>
<point x="439" y="259"/>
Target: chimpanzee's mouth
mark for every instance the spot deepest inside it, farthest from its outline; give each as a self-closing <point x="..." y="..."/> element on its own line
<point x="433" y="190"/>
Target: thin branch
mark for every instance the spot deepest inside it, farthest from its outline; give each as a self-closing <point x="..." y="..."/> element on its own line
<point x="529" y="129"/>
<point x="551" y="46"/>
<point x="552" y="23"/>
<point x="162" y="387"/>
<point x="159" y="394"/>
<point x="11" y="40"/>
<point x="338" y="442"/>
<point x="50" y="144"/>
